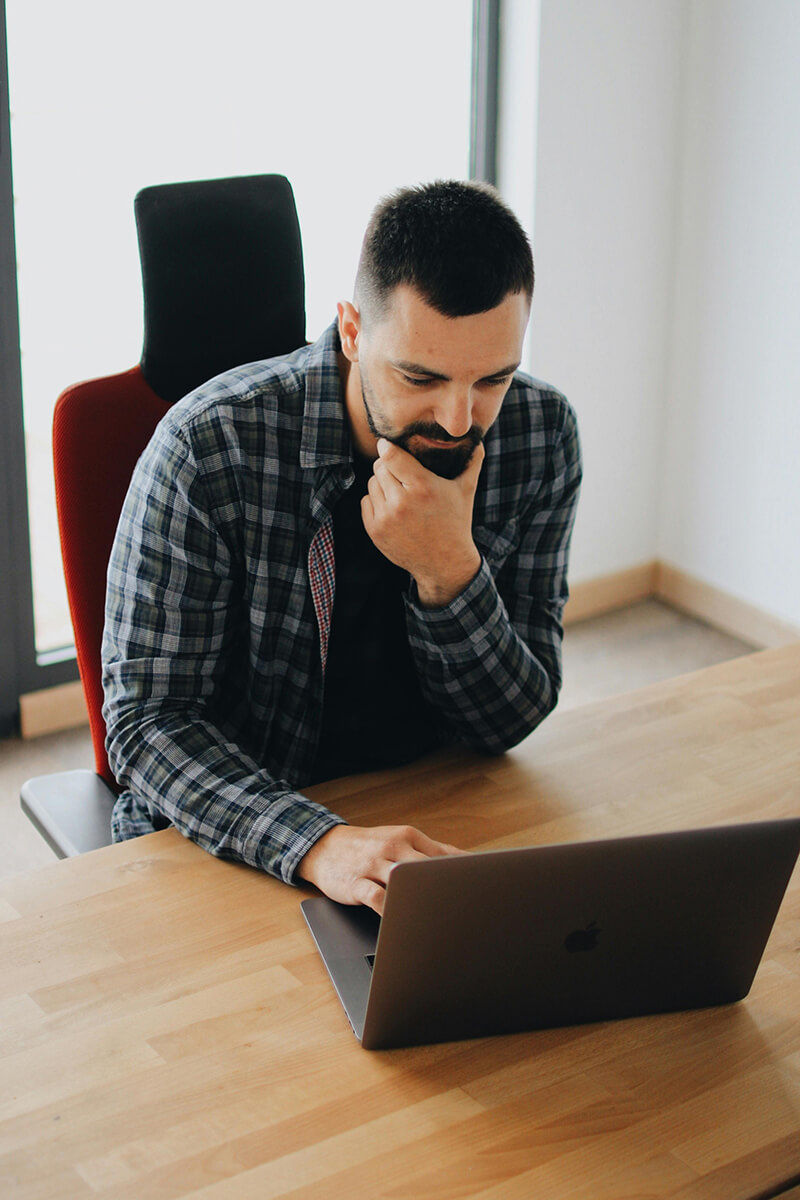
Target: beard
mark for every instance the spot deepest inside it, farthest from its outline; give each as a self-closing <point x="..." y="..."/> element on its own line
<point x="448" y="462"/>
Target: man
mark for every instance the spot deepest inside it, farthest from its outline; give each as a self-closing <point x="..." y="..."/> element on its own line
<point x="343" y="558"/>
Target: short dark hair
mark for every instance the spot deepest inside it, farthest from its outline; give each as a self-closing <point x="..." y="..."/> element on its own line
<point x="456" y="243"/>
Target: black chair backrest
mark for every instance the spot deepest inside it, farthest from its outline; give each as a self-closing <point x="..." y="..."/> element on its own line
<point x="222" y="274"/>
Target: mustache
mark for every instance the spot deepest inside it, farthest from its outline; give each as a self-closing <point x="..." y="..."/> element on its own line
<point x="430" y="429"/>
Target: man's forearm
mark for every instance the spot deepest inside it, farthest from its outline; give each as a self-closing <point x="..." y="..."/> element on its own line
<point x="489" y="686"/>
<point x="215" y="794"/>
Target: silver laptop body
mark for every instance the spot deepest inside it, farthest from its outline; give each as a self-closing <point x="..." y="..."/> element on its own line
<point x="510" y="940"/>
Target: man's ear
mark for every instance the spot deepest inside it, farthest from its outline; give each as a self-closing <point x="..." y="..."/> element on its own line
<point x="349" y="329"/>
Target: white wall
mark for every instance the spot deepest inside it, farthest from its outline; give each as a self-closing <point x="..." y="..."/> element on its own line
<point x="667" y="244"/>
<point x="606" y="171"/>
<point x="730" y="488"/>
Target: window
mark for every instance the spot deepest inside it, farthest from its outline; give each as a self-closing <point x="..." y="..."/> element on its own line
<point x="345" y="102"/>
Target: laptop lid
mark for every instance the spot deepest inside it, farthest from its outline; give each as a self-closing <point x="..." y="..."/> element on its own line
<point x="503" y="941"/>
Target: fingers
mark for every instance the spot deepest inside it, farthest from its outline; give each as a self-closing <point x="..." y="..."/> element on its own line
<point x="367" y="510"/>
<point x="383" y="486"/>
<point x="396" y="475"/>
<point x="383" y="490"/>
<point x="370" y="894"/>
<point x="399" y="463"/>
<point x="468" y="479"/>
<point x="352" y="865"/>
<point x="427" y="847"/>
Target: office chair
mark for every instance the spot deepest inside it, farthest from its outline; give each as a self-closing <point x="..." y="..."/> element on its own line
<point x="223" y="283"/>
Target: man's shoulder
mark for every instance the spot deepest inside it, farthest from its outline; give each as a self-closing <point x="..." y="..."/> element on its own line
<point x="538" y="398"/>
<point x="535" y="413"/>
<point x="253" y="393"/>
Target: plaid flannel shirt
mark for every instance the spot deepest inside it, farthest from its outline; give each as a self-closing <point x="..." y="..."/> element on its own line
<point x="220" y="594"/>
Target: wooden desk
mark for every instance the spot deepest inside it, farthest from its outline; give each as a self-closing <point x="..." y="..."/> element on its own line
<point x="169" y="1031"/>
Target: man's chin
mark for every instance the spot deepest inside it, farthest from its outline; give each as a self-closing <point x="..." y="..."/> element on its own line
<point x="446" y="462"/>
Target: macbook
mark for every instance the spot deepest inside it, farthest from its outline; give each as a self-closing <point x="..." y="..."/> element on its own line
<point x="509" y="940"/>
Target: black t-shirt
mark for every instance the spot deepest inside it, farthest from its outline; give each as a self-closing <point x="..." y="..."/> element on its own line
<point x="374" y="714"/>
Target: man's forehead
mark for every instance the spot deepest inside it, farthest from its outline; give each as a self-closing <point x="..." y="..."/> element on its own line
<point x="412" y="334"/>
<point x="404" y="301"/>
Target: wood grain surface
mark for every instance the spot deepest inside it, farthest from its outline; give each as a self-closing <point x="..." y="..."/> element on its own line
<point x="168" y="1030"/>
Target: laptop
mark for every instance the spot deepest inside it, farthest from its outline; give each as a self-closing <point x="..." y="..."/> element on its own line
<point x="510" y="940"/>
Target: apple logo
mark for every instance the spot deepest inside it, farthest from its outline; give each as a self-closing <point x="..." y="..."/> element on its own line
<point x="581" y="940"/>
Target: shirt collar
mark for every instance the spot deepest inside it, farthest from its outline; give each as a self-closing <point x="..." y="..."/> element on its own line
<point x="326" y="438"/>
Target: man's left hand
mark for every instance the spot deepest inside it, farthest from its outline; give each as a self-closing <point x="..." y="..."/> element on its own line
<point x="423" y="523"/>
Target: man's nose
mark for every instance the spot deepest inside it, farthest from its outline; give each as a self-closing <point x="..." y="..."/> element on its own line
<point x="454" y="412"/>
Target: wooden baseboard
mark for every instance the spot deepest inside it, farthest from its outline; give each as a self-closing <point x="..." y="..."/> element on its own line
<point x="722" y="610"/>
<point x="685" y="592"/>
<point x="609" y="592"/>
<point x="52" y="710"/>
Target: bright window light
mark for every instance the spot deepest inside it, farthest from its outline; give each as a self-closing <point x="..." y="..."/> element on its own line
<point x="347" y="101"/>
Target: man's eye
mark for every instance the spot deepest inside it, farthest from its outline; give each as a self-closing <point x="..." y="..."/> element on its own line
<point x="500" y="381"/>
<point x="417" y="382"/>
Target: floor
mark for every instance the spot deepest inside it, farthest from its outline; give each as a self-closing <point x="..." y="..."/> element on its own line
<point x="602" y="657"/>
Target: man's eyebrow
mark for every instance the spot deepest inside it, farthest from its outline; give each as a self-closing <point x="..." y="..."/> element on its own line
<point x="509" y="370"/>
<point x="413" y="368"/>
<point x="416" y="369"/>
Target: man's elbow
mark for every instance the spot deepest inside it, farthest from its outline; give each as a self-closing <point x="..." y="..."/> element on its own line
<point x="123" y="742"/>
<point x="497" y="739"/>
<point x="131" y="722"/>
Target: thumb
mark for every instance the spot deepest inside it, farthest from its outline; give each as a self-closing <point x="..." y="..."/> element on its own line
<point x="468" y="479"/>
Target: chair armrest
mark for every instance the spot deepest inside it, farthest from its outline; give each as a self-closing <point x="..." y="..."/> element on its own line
<point x="71" y="810"/>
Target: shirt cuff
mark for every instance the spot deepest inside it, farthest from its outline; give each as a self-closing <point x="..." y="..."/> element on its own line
<point x="283" y="834"/>
<point x="471" y="621"/>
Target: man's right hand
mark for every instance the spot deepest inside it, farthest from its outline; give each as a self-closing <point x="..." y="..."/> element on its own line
<point x="352" y="864"/>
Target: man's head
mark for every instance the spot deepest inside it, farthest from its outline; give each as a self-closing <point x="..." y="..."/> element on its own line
<point x="442" y="299"/>
<point x="454" y="243"/>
